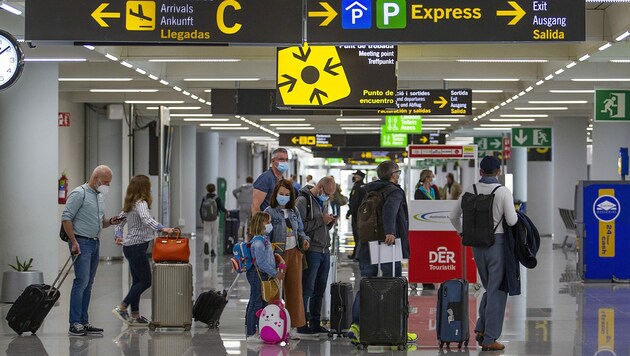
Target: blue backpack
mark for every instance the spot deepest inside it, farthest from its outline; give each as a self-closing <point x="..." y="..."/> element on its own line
<point x="242" y="260"/>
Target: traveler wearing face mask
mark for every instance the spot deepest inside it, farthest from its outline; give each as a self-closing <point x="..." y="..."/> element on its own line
<point x="267" y="181"/>
<point x="312" y="203"/>
<point x="288" y="233"/>
<point x="83" y="219"/>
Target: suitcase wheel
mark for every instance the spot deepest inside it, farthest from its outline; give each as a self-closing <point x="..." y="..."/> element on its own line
<point x="152" y="326"/>
<point x="466" y="343"/>
<point x="402" y="347"/>
<point x="414" y="286"/>
<point x="330" y="334"/>
<point x="187" y="327"/>
<point x="448" y="344"/>
<point x="213" y="324"/>
<point x="361" y="346"/>
<point x="459" y="345"/>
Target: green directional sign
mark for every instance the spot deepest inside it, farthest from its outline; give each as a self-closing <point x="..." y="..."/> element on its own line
<point x="403" y="124"/>
<point x="489" y="143"/>
<point x="531" y="137"/>
<point x="612" y="105"/>
<point x="389" y="139"/>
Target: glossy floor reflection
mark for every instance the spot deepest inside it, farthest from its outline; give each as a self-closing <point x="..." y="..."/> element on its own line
<point x="555" y="315"/>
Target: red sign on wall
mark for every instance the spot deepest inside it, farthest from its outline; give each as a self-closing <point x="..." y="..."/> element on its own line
<point x="436" y="256"/>
<point x="507" y="147"/>
<point x="64" y="119"/>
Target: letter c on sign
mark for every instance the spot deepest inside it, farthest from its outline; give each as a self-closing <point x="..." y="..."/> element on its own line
<point x="221" y="16"/>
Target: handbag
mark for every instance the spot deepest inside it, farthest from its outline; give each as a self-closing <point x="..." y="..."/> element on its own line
<point x="171" y="248"/>
<point x="62" y="234"/>
<point x="270" y="289"/>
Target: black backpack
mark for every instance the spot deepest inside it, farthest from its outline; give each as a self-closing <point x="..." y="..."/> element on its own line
<point x="209" y="209"/>
<point x="370" y="215"/>
<point x="479" y="225"/>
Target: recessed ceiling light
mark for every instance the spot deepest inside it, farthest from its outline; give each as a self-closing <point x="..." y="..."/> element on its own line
<point x="430" y="119"/>
<point x="549" y="77"/>
<point x="181" y="108"/>
<point x="283" y="119"/>
<point x="571" y="65"/>
<point x="500" y="125"/>
<point x="555" y="108"/>
<point x="478" y="101"/>
<point x="154" y="101"/>
<point x="571" y="91"/>
<point x="95" y="79"/>
<point x="221" y="125"/>
<point x="123" y="90"/>
<point x="205" y="119"/>
<point x="482" y="79"/>
<point x="557" y="102"/>
<point x="487" y="91"/>
<point x="361" y="128"/>
<point x="498" y="60"/>
<point x="11" y="9"/>
<point x="357" y="119"/>
<point x="55" y="59"/>
<point x="605" y="46"/>
<point x="227" y="128"/>
<point x="435" y="125"/>
<point x="620" y="61"/>
<point x="289" y="124"/>
<point x="295" y="128"/>
<point x="126" y="64"/>
<point x="511" y="120"/>
<point x="221" y="79"/>
<point x="622" y="36"/>
<point x="194" y="60"/>
<point x="600" y="79"/>
<point x="492" y="128"/>
<point x="540" y="82"/>
<point x="524" y="115"/>
<point x="584" y="57"/>
<point x="433" y="128"/>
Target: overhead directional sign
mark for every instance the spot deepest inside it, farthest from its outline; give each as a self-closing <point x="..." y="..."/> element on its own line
<point x="418" y="21"/>
<point x="393" y="139"/>
<point x="489" y="143"/>
<point x="432" y="138"/>
<point x="335" y="77"/>
<point x="612" y="105"/>
<point x="441" y="151"/>
<point x="165" y="21"/>
<point x="431" y="102"/>
<point x="402" y="123"/>
<point x="531" y="137"/>
<point x="317" y="140"/>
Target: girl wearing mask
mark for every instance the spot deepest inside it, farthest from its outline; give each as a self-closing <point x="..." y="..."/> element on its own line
<point x="265" y="264"/>
<point x="141" y="230"/>
<point x="288" y="234"/>
<point x="424" y="190"/>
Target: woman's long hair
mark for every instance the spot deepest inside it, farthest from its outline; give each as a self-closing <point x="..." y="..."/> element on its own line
<point x="426" y="173"/>
<point x="288" y="185"/>
<point x="139" y="189"/>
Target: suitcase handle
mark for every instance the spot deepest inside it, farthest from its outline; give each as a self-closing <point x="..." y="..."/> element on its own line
<point x="61" y="272"/>
<point x="380" y="272"/>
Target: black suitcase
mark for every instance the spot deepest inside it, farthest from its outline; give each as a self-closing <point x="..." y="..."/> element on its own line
<point x="30" y="309"/>
<point x="230" y="236"/>
<point x="341" y="308"/>
<point x="452" y="313"/>
<point x="210" y="305"/>
<point x="384" y="311"/>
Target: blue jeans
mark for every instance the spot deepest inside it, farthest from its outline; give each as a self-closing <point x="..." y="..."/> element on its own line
<point x="140" y="274"/>
<point x="369" y="270"/>
<point x="255" y="300"/>
<point x="85" y="267"/>
<point x="314" y="280"/>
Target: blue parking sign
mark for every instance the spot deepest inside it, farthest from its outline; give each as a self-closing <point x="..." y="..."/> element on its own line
<point x="356" y="14"/>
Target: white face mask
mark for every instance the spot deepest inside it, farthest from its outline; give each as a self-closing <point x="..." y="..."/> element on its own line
<point x="103" y="189"/>
<point x="268" y="228"/>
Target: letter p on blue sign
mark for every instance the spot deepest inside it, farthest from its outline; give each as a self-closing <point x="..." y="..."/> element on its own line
<point x="356" y="14"/>
<point x="391" y="14"/>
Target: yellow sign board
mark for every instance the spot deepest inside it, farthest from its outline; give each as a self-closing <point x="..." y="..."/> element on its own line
<point x="606" y="231"/>
<point x="140" y="16"/>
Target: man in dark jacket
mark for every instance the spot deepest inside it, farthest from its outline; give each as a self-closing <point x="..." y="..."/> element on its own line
<point x="395" y="225"/>
<point x="356" y="197"/>
<point x="211" y="228"/>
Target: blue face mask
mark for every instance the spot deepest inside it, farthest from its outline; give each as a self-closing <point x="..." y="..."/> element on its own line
<point x="283" y="199"/>
<point x="268" y="228"/>
<point x="283" y="166"/>
<point x="323" y="198"/>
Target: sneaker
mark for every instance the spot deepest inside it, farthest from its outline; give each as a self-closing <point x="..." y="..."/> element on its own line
<point x="254" y="339"/>
<point x="141" y="322"/>
<point x="77" y="329"/>
<point x="213" y="254"/>
<point x="412" y="338"/>
<point x="92" y="330"/>
<point x="206" y="248"/>
<point x="123" y="315"/>
<point x="293" y="334"/>
<point x="306" y="332"/>
<point x="353" y="334"/>
<point x="318" y="329"/>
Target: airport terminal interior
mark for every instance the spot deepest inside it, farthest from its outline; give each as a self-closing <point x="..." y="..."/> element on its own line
<point x="188" y="100"/>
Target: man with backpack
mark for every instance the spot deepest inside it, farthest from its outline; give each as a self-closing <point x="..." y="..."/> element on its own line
<point x="484" y="206"/>
<point x="356" y="197"/>
<point x="211" y="204"/>
<point x="382" y="216"/>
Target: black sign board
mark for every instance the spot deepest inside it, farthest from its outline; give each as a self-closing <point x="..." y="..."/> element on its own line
<point x="378" y="154"/>
<point x="166" y="21"/>
<point x="315" y="140"/>
<point x="331" y="77"/>
<point x="432" y="138"/>
<point x="421" y="21"/>
<point x="431" y="102"/>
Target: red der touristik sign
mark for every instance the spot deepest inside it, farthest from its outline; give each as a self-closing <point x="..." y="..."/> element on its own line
<point x="441" y="151"/>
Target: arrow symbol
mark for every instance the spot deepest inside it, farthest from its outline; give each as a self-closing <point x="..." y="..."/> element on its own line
<point x="424" y="139"/>
<point x="295" y="140"/>
<point x="496" y="143"/>
<point x="329" y="68"/>
<point x="290" y="81"/>
<point x="329" y="14"/>
<point x="317" y="94"/>
<point x="517" y="13"/>
<point x="442" y="102"/>
<point x="99" y="15"/>
<point x="303" y="56"/>
<point x="520" y="138"/>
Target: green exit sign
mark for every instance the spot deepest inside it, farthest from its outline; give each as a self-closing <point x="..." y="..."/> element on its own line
<point x="612" y="105"/>
<point x="393" y="139"/>
<point x="489" y="143"/>
<point x="531" y="137"/>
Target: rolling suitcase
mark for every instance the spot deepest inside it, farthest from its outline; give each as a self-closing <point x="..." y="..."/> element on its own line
<point x="209" y="305"/>
<point x="172" y="290"/>
<point x="230" y="236"/>
<point x="340" y="308"/>
<point x="30" y="309"/>
<point x="452" y="311"/>
<point x="384" y="310"/>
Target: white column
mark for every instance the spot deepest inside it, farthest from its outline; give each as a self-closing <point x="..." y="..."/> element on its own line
<point x="207" y="164"/>
<point x="228" y="169"/>
<point x="540" y="199"/>
<point x="518" y="167"/>
<point x="607" y="138"/>
<point x="29" y="146"/>
<point x="569" y="162"/>
<point x="183" y="199"/>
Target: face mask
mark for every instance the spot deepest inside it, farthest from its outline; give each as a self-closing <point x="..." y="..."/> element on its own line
<point x="323" y="198"/>
<point x="103" y="189"/>
<point x="283" y="166"/>
<point x="268" y="228"/>
<point x="283" y="199"/>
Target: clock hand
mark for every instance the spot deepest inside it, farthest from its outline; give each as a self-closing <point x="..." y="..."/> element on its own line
<point x="4" y="50"/>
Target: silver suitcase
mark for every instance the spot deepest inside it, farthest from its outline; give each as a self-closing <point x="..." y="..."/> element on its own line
<point x="172" y="301"/>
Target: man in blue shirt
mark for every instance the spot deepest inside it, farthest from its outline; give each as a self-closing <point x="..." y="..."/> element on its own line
<point x="83" y="220"/>
<point x="266" y="182"/>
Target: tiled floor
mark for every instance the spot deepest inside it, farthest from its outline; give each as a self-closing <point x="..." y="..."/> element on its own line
<point x="555" y="315"/>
